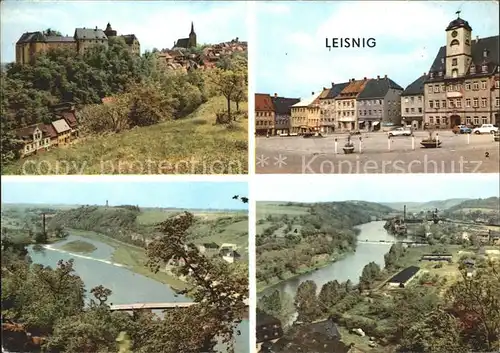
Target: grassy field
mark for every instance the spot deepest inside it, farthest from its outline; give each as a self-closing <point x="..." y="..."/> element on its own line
<point x="79" y="246"/>
<point x="192" y="145"/>
<point x="132" y="256"/>
<point x="265" y="208"/>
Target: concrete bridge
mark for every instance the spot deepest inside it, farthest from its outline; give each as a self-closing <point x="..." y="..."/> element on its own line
<point x="158" y="306"/>
<point x="383" y="242"/>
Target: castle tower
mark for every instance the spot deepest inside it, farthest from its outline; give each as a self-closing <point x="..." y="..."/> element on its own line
<point x="109" y="32"/>
<point x="458" y="47"/>
<point x="192" y="37"/>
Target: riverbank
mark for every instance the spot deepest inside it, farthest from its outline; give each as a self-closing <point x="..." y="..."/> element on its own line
<point x="261" y="287"/>
<point x="131" y="256"/>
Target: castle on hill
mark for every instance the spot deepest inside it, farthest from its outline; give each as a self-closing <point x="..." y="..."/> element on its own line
<point x="32" y="43"/>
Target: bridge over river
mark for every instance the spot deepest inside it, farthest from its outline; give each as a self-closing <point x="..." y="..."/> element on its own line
<point x="158" y="306"/>
<point x="383" y="242"/>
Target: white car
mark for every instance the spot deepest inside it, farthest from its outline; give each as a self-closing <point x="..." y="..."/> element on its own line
<point x="485" y="129"/>
<point x="399" y="131"/>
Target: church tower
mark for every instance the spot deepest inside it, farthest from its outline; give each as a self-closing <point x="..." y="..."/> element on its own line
<point x="192" y="37"/>
<point x="458" y="47"/>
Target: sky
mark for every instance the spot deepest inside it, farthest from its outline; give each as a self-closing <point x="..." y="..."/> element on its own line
<point x="375" y="187"/>
<point x="178" y="194"/>
<point x="155" y="23"/>
<point x="293" y="61"/>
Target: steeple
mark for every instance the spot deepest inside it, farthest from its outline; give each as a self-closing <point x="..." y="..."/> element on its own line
<point x="192" y="28"/>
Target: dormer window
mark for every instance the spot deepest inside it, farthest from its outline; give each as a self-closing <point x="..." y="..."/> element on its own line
<point x="484" y="68"/>
<point x="485" y="53"/>
<point x="440" y="73"/>
<point x="473" y="69"/>
<point x="432" y="74"/>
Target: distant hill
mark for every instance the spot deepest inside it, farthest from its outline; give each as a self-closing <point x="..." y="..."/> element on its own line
<point x="491" y="203"/>
<point x="423" y="206"/>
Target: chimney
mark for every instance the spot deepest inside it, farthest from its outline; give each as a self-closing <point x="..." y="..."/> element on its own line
<point x="477" y="39"/>
<point x="312" y="93"/>
<point x="378" y="77"/>
<point x="275" y="95"/>
<point x="404" y="212"/>
<point x="353" y="80"/>
<point x="385" y="76"/>
<point x="332" y="84"/>
<point x="364" y="78"/>
<point x="43" y="223"/>
<point x="106" y="203"/>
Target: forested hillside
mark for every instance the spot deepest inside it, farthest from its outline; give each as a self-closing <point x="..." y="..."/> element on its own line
<point x="284" y="239"/>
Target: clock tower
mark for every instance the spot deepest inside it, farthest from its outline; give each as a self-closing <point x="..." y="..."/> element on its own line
<point x="458" y="47"/>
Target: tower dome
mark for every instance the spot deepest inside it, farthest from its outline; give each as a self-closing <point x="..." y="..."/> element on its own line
<point x="459" y="23"/>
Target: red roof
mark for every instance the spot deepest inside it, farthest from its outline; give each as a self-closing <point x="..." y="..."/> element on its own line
<point x="107" y="100"/>
<point x="49" y="130"/>
<point x="263" y="102"/>
<point x="26" y="133"/>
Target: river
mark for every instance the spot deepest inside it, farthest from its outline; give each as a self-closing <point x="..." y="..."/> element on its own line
<point x="96" y="269"/>
<point x="349" y="267"/>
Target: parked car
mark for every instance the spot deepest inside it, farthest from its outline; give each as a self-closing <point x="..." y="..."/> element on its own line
<point x="485" y="129"/>
<point x="463" y="129"/>
<point x="399" y="131"/>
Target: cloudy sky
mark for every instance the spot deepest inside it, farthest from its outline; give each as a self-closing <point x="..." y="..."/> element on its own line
<point x="146" y="193"/>
<point x="375" y="187"/>
<point x="293" y="61"/>
<point x="156" y="23"/>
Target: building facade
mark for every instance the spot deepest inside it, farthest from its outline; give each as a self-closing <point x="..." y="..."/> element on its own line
<point x="347" y="116"/>
<point x="413" y="104"/>
<point x="306" y="115"/>
<point x="379" y="104"/>
<point x="32" y="43"/>
<point x="264" y="114"/>
<point x="462" y="86"/>
<point x="328" y="107"/>
<point x="283" y="113"/>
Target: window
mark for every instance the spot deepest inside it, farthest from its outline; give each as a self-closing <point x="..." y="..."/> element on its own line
<point x="484" y="68"/>
<point x="473" y="69"/>
<point x="437" y="120"/>
<point x="413" y="110"/>
<point x="432" y="74"/>
<point x="430" y="89"/>
<point x="456" y="88"/>
<point x="475" y="85"/>
<point x="437" y="104"/>
<point x="483" y="85"/>
<point x="449" y="88"/>
<point x="420" y="98"/>
<point x="476" y="103"/>
<point x="454" y="62"/>
<point x="497" y="102"/>
<point x="467" y="120"/>
<point x="431" y="120"/>
<point x="407" y="110"/>
<point x="443" y="103"/>
<point x="476" y="120"/>
<point x="484" y="119"/>
<point x="451" y="104"/>
<point x="458" y="103"/>
<point x="484" y="102"/>
<point x="454" y="42"/>
<point x="440" y="73"/>
<point x="443" y="88"/>
<point x="436" y="89"/>
<point x="454" y="73"/>
<point x="420" y="110"/>
<point x="431" y="104"/>
<point x="370" y="112"/>
<point x="412" y="99"/>
<point x="497" y="84"/>
<point x="467" y="86"/>
<point x="406" y="100"/>
<point x="467" y="103"/>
